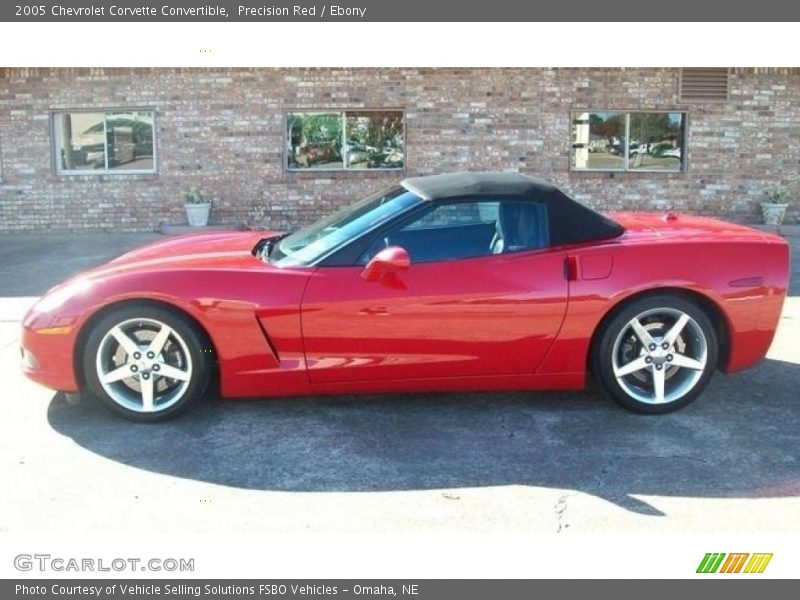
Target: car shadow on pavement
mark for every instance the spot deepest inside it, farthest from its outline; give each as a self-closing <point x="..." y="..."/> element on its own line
<point x="739" y="440"/>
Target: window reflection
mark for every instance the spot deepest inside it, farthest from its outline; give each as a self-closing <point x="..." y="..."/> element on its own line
<point x="82" y="141"/>
<point x="93" y="141"/>
<point x="314" y="140"/>
<point x="656" y="141"/>
<point x="345" y="140"/>
<point x="599" y="140"/>
<point x="375" y="140"/>
<point x="638" y="141"/>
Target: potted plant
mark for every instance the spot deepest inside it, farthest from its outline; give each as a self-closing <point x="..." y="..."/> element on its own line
<point x="197" y="207"/>
<point x="774" y="208"/>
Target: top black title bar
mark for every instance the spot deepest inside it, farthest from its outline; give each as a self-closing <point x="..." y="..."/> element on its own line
<point x="401" y="10"/>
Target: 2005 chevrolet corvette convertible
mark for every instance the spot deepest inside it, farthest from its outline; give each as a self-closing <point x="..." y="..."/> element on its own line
<point x="455" y="282"/>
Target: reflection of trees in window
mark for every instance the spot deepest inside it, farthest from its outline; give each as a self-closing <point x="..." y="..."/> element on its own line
<point x="99" y="142"/>
<point x="656" y="141"/>
<point x="345" y="140"/>
<point x="652" y="127"/>
<point x="599" y="141"/>
<point x="609" y="141"/>
<point x="375" y="140"/>
<point x="315" y="140"/>
<point x="607" y="125"/>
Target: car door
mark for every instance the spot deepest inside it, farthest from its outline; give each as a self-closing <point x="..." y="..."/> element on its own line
<point x="463" y="308"/>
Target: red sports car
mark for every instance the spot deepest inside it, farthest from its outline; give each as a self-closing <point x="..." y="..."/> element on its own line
<point x="467" y="281"/>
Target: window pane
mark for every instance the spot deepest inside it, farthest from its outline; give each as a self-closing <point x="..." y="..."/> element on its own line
<point x="375" y="140"/>
<point x="521" y="226"/>
<point x="129" y="138"/>
<point x="460" y="213"/>
<point x="310" y="243"/>
<point x="598" y="140"/>
<point x="82" y="140"/>
<point x="459" y="230"/>
<point x="449" y="231"/>
<point x="314" y="140"/>
<point x="94" y="141"/>
<point x="656" y="141"/>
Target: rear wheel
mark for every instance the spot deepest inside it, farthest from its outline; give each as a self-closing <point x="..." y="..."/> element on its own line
<point x="657" y="354"/>
<point x="147" y="363"/>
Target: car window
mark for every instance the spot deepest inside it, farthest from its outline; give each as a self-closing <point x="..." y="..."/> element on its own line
<point x="466" y="229"/>
<point x="457" y="213"/>
<point x="309" y="244"/>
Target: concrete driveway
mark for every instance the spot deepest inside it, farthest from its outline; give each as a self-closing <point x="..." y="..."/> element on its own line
<point x="515" y="462"/>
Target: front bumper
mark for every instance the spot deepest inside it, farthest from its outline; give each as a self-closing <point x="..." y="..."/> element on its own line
<point x="47" y="350"/>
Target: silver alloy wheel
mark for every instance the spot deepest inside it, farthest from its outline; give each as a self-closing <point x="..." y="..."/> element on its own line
<point x="659" y="356"/>
<point x="144" y="365"/>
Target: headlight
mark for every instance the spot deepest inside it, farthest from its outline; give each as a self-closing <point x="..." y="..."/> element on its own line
<point x="55" y="299"/>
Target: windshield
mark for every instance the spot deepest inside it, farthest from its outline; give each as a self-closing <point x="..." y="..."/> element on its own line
<point x="306" y="246"/>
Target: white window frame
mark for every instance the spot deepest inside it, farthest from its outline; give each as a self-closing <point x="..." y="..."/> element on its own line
<point x="55" y="117"/>
<point x="626" y="168"/>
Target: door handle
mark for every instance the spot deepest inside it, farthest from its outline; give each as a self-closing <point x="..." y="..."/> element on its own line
<point x="571" y="268"/>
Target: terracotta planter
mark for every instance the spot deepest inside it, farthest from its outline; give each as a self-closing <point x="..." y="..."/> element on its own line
<point x="197" y="214"/>
<point x="773" y="212"/>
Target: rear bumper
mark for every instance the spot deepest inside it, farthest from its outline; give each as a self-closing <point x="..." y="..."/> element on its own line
<point x="758" y="312"/>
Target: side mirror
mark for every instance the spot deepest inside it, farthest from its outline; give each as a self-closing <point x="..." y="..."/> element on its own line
<point x="393" y="259"/>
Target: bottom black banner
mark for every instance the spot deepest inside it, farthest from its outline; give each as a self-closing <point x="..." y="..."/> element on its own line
<point x="426" y="589"/>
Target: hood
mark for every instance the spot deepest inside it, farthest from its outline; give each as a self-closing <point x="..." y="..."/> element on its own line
<point x="197" y="244"/>
<point x="222" y="250"/>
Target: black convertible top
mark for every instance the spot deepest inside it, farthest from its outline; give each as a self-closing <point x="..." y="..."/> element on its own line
<point x="570" y="222"/>
<point x="451" y="185"/>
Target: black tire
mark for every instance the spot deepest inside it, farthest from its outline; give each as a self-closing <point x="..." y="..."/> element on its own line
<point x="633" y="372"/>
<point x="123" y="345"/>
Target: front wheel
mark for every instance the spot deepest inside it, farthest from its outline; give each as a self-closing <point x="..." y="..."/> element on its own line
<point x="146" y="363"/>
<point x="657" y="354"/>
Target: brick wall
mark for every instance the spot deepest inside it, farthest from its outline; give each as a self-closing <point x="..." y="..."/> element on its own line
<point x="222" y="130"/>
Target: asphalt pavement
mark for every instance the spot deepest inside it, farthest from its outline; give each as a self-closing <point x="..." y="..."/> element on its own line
<point x="511" y="462"/>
